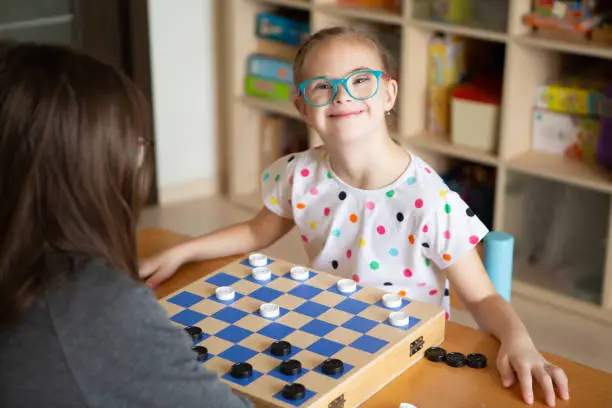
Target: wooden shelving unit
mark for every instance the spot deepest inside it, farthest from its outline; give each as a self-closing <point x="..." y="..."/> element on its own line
<point x="529" y="61"/>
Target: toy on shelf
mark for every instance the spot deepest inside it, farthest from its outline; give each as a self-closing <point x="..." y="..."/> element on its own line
<point x="567" y="18"/>
<point x="604" y="142"/>
<point x="577" y="95"/>
<point x="280" y="28"/>
<point x="446" y="68"/>
<point x="573" y="136"/>
<point x="394" y="6"/>
<point x="268" y="78"/>
<point x="475" y="113"/>
<point x="485" y="14"/>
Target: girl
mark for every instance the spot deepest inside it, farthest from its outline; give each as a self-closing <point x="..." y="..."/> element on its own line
<point x="77" y="328"/>
<point x="368" y="209"/>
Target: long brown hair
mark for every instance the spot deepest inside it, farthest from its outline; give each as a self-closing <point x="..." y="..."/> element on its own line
<point x="71" y="176"/>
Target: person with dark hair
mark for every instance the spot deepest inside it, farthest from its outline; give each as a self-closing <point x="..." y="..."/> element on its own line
<point x="77" y="326"/>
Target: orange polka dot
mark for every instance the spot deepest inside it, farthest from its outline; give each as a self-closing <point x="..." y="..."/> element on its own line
<point x="301" y="206"/>
<point x="411" y="239"/>
<point x="353" y="218"/>
<point x="402" y="293"/>
<point x="447" y="257"/>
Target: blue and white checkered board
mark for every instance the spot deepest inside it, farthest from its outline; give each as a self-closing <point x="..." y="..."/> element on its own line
<point x="319" y="321"/>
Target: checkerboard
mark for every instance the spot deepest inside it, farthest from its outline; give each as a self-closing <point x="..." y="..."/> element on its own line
<point x="319" y="322"/>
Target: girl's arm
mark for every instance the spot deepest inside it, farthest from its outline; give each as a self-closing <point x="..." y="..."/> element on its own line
<point x="517" y="354"/>
<point x="260" y="232"/>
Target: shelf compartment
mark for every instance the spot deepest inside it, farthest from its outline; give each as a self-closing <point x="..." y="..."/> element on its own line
<point x="562" y="169"/>
<point x="372" y="15"/>
<point x="298" y="4"/>
<point x="575" y="46"/>
<point x="279" y="107"/>
<point x="560" y="233"/>
<point x="442" y="145"/>
<point x="482" y="20"/>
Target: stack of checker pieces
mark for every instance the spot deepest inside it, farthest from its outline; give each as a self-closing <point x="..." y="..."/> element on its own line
<point x="325" y="348"/>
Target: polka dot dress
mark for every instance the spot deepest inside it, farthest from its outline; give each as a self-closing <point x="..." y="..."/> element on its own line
<point x="398" y="238"/>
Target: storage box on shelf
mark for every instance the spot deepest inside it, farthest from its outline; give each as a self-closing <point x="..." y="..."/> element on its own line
<point x="522" y="156"/>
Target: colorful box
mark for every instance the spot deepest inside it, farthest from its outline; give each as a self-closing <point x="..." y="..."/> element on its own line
<point x="279" y="28"/>
<point x="571" y="95"/>
<point x="475" y="114"/>
<point x="270" y="68"/>
<point x="388" y="5"/>
<point x="564" y="134"/>
<point x="266" y="88"/>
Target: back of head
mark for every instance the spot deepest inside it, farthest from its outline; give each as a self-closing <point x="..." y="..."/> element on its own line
<point x="73" y="169"/>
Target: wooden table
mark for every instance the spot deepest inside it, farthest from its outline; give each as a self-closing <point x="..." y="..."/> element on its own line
<point x="428" y="384"/>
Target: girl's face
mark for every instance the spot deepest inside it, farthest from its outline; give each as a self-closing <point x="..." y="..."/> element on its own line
<point x="346" y="119"/>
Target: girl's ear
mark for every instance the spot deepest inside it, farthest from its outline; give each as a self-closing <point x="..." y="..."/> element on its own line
<point x="391" y="94"/>
<point x="300" y="105"/>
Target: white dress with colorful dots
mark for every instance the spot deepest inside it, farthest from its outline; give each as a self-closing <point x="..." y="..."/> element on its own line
<point x="398" y="239"/>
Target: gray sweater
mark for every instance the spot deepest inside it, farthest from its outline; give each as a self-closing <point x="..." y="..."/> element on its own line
<point x="101" y="340"/>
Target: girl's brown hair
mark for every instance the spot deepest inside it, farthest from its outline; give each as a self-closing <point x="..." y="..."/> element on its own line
<point x="330" y="33"/>
<point x="72" y="175"/>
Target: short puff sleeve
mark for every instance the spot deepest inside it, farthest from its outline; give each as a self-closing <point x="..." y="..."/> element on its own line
<point x="277" y="185"/>
<point x="454" y="229"/>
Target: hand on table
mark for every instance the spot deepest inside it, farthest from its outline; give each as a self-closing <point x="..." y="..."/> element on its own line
<point x="158" y="268"/>
<point x="519" y="359"/>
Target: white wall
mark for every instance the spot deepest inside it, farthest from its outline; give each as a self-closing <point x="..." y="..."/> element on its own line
<point x="181" y="41"/>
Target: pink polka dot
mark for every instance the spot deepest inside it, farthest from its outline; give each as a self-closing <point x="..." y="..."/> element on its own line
<point x="356" y="278"/>
<point x="421" y="284"/>
<point x="327" y="211"/>
<point x="305" y="173"/>
<point x="370" y="205"/>
<point x="290" y="203"/>
<point x="291" y="180"/>
<point x="314" y="191"/>
<point x="425" y="228"/>
<point x="427" y="170"/>
<point x="305" y="238"/>
<point x="418" y="203"/>
<point x="447" y="316"/>
<point x="408" y="273"/>
<point x="380" y="229"/>
<point x="447" y="234"/>
<point x="433" y="292"/>
<point x="349" y="253"/>
<point x="473" y="240"/>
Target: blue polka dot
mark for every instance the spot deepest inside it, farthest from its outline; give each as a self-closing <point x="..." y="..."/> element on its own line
<point x="411" y="181"/>
<point x="393" y="252"/>
<point x="336" y="233"/>
<point x="266" y="176"/>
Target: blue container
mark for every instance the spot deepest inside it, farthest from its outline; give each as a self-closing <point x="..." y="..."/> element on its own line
<point x="282" y="29"/>
<point x="498" y="261"/>
<point x="270" y="68"/>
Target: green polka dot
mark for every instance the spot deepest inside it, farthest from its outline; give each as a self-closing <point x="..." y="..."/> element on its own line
<point x="390" y="193"/>
<point x="266" y="176"/>
<point x="427" y="262"/>
<point x="277" y="178"/>
<point x="374" y="265"/>
<point x="329" y="175"/>
<point x="447" y="208"/>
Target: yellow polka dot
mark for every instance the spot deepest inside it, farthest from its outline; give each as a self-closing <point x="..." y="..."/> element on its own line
<point x="324" y="156"/>
<point x="273" y="200"/>
<point x="362" y="242"/>
<point x="443" y="193"/>
<point x="313" y="225"/>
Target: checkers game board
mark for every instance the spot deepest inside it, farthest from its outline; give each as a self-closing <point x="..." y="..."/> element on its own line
<point x="325" y="347"/>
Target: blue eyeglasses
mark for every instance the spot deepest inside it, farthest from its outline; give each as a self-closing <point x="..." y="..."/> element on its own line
<point x="360" y="85"/>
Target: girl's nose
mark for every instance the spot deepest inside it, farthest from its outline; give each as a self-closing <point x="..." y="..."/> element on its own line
<point x="342" y="95"/>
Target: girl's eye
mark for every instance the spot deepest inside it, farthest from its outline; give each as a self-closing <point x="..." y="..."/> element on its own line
<point x="322" y="85"/>
<point x="361" y="79"/>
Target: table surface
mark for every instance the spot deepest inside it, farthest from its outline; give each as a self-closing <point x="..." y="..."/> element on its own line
<point x="427" y="384"/>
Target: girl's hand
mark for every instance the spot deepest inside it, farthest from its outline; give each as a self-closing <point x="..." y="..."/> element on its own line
<point x="519" y="358"/>
<point x="157" y="269"/>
